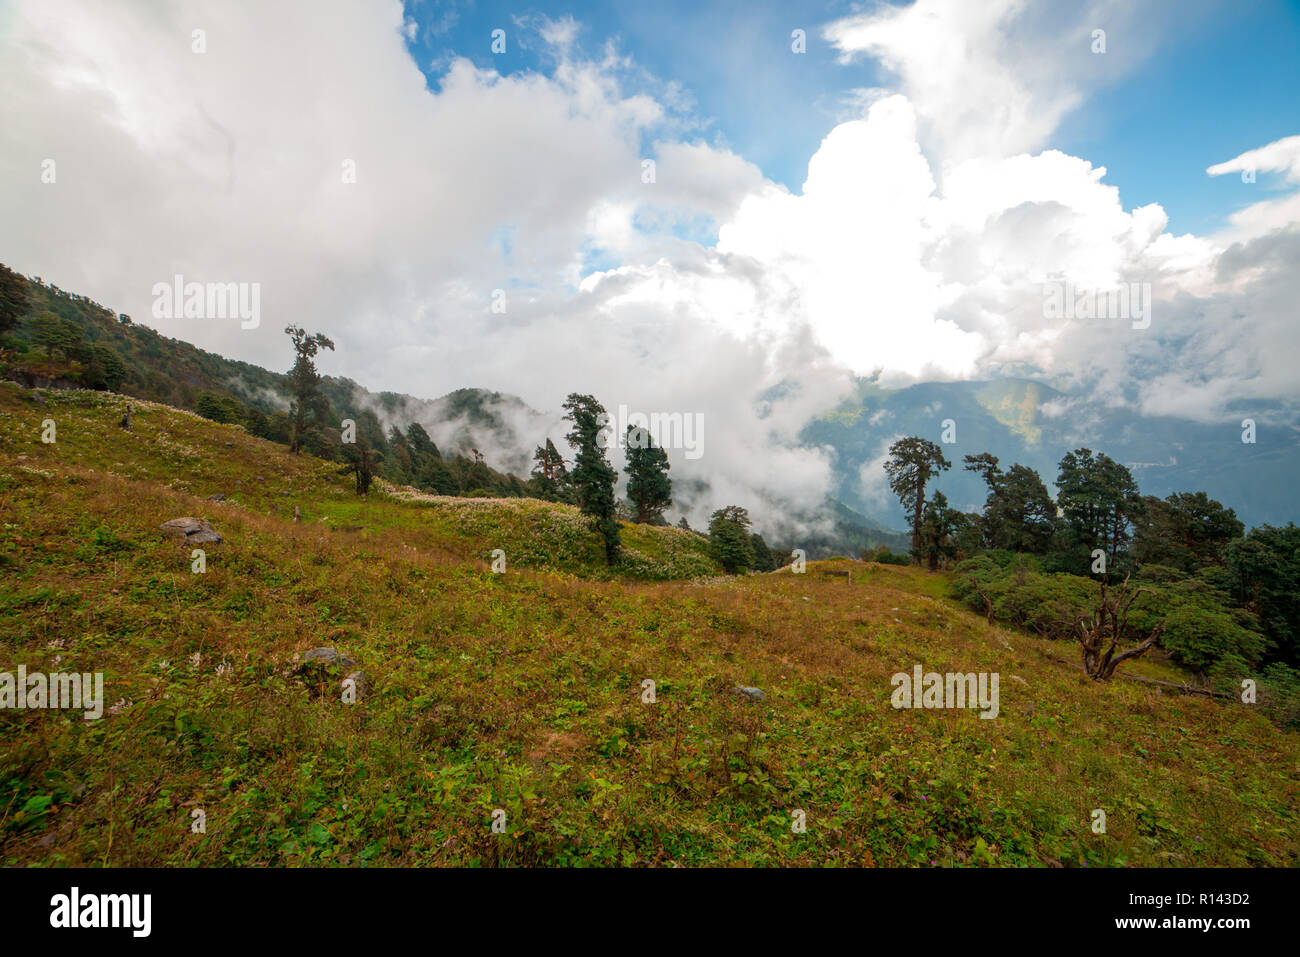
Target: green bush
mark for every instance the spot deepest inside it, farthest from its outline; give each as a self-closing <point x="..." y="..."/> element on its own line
<point x="1198" y="638"/>
<point x="1200" y="631"/>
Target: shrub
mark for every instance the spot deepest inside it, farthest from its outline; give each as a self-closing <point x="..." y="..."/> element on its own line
<point x="1199" y="638"/>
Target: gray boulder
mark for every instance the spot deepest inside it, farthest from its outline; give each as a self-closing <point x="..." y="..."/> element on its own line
<point x="195" y="531"/>
<point x="753" y="694"/>
<point x="328" y="656"/>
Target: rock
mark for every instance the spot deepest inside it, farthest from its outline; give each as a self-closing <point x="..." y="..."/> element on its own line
<point x="260" y="478"/>
<point x="215" y="498"/>
<point x="230" y="445"/>
<point x="194" y="530"/>
<point x="753" y="694"/>
<point x="362" y="682"/>
<point x="322" y="671"/>
<point x="327" y="656"/>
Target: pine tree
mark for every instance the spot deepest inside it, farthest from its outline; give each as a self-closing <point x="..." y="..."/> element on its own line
<point x="55" y="332"/>
<point x="729" y="539"/>
<point x="14" y="301"/>
<point x="937" y="528"/>
<point x="912" y="463"/>
<point x="549" y="477"/>
<point x="1019" y="515"/>
<point x="1099" y="501"/>
<point x="763" y="560"/>
<point x="648" y="485"/>
<point x="593" y="477"/>
<point x="309" y="405"/>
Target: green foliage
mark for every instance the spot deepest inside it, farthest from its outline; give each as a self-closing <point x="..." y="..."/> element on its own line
<point x="55" y="333"/>
<point x="1201" y="630"/>
<point x="1279" y="694"/>
<point x="1262" y="573"/>
<point x="1099" y="502"/>
<point x="309" y="407"/>
<point x="14" y="300"/>
<point x="939" y="530"/>
<point x="1202" y="638"/>
<point x="219" y="408"/>
<point x="105" y="370"/>
<point x="912" y="462"/>
<point x="764" y="561"/>
<point x="1023" y="596"/>
<point x="593" y="477"/>
<point x="648" y="486"/>
<point x="1019" y="514"/>
<point x="884" y="556"/>
<point x="729" y="539"/>
<point x="550" y="478"/>
<point x="1186" y="531"/>
<point x="362" y="463"/>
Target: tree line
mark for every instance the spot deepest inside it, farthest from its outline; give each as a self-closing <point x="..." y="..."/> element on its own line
<point x="1230" y="600"/>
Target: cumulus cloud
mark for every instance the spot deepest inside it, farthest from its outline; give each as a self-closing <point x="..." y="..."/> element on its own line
<point x="917" y="248"/>
<point x="995" y="78"/>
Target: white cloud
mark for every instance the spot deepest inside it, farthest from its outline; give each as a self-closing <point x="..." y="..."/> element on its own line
<point x="1279" y="156"/>
<point x="993" y="78"/>
<point x="917" y="245"/>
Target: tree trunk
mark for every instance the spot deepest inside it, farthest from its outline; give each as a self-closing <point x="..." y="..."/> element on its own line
<point x="916" y="521"/>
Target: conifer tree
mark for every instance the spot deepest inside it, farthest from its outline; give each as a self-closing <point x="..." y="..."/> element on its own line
<point x="309" y="406"/>
<point x="648" y="485"/>
<point x="729" y="539"/>
<point x="550" y="477"/>
<point x="593" y="477"/>
<point x="913" y="461"/>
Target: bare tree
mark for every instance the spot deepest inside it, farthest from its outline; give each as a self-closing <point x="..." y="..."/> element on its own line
<point x="1108" y="623"/>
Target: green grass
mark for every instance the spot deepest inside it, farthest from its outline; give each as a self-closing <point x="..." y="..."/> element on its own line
<point x="522" y="691"/>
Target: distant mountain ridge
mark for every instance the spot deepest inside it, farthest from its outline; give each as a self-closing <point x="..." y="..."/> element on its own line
<point x="1025" y="421"/>
<point x="1018" y="420"/>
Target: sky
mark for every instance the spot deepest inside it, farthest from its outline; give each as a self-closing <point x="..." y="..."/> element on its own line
<point x="896" y="195"/>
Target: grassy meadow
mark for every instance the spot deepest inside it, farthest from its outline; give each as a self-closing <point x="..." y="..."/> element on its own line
<point x="523" y="691"/>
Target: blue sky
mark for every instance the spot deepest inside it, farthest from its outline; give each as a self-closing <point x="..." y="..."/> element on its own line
<point x="1222" y="78"/>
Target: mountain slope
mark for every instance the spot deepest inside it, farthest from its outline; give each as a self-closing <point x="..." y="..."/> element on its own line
<point x="522" y="692"/>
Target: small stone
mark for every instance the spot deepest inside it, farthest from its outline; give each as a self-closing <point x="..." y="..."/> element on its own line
<point x="328" y="656"/>
<point x="218" y="497"/>
<point x="193" y="530"/>
<point x="753" y="694"/>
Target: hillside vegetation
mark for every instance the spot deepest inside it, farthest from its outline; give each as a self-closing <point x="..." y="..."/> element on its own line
<point x="523" y="691"/>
